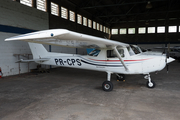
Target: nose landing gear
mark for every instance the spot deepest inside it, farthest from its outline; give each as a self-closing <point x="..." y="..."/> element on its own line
<point x="150" y="83"/>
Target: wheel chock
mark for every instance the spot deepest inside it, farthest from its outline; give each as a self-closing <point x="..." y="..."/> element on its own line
<point x="121" y="80"/>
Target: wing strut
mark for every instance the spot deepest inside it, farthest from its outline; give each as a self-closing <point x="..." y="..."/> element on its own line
<point x="119" y="56"/>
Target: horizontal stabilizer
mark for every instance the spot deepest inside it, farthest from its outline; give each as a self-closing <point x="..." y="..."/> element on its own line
<point x="32" y="60"/>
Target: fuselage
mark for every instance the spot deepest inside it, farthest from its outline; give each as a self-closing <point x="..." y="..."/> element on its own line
<point x="142" y="63"/>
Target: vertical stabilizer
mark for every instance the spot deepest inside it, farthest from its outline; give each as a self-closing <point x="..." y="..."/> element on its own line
<point x="38" y="50"/>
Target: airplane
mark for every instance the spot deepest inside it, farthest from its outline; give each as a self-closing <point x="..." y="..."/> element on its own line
<point x="108" y="56"/>
<point x="174" y="52"/>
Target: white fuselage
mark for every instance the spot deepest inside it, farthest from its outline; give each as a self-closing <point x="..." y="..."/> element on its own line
<point x="137" y="64"/>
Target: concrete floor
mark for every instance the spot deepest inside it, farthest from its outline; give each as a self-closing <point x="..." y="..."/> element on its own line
<point x="73" y="94"/>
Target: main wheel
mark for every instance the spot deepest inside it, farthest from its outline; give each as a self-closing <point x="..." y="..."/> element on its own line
<point x="150" y="85"/>
<point x="107" y="86"/>
<point x="121" y="77"/>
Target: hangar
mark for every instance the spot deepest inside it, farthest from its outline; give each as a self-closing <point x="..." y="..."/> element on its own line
<point x="147" y="23"/>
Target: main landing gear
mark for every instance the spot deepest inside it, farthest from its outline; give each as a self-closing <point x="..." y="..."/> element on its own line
<point x="107" y="85"/>
<point x="120" y="77"/>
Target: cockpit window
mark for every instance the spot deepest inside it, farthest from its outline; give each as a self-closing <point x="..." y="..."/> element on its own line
<point x="138" y="48"/>
<point x="133" y="49"/>
<point x="121" y="52"/>
<point x="94" y="52"/>
<point x="112" y="54"/>
<point x="131" y="52"/>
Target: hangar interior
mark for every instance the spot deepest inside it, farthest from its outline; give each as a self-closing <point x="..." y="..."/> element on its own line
<point x="146" y="23"/>
<point x="75" y="94"/>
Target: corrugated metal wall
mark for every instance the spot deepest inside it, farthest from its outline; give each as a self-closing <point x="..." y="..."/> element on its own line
<point x="16" y="19"/>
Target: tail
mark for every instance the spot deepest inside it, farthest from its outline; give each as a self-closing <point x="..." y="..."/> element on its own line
<point x="38" y="50"/>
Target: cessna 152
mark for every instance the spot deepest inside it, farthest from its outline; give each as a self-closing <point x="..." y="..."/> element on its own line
<point x="108" y="56"/>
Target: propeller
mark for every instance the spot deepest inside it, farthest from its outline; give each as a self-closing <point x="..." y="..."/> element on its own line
<point x="167" y="57"/>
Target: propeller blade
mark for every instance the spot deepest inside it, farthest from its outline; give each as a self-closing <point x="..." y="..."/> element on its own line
<point x="168" y="50"/>
<point x="167" y="57"/>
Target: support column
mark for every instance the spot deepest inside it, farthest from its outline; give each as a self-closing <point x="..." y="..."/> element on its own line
<point x="34" y="3"/>
<point x="48" y="6"/>
<point x="17" y="1"/>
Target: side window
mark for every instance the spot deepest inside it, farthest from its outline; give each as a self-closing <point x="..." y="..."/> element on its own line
<point x="94" y="52"/>
<point x="111" y="53"/>
<point x="121" y="52"/>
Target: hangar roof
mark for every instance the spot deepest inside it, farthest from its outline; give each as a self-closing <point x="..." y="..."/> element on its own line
<point x="119" y="11"/>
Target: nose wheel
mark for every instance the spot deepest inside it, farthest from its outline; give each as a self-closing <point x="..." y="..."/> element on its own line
<point x="150" y="83"/>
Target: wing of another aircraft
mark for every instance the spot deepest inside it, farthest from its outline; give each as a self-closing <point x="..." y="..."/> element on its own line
<point x="66" y="38"/>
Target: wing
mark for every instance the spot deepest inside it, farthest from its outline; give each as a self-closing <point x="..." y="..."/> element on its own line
<point x="63" y="37"/>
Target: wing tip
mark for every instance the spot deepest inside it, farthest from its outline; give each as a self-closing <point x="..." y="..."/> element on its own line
<point x="8" y="39"/>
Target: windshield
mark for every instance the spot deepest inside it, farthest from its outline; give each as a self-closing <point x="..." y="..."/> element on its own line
<point x="94" y="52"/>
<point x="133" y="49"/>
<point x="131" y="52"/>
<point x="138" y="48"/>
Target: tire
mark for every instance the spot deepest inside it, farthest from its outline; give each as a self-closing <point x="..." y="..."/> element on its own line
<point x="107" y="86"/>
<point x="121" y="78"/>
<point x="150" y="85"/>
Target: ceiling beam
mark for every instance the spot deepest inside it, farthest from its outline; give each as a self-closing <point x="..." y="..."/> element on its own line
<point x="138" y="14"/>
<point x="100" y="6"/>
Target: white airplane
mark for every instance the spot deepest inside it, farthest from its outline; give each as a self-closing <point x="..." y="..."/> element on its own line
<point x="109" y="56"/>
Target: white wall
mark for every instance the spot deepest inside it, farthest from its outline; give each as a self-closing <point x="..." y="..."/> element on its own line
<point x="14" y="14"/>
<point x="21" y="16"/>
